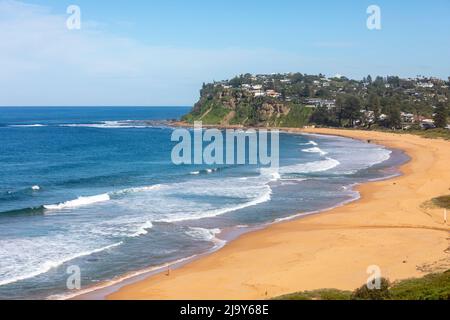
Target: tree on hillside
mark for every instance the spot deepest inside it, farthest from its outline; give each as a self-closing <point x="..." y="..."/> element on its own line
<point x="339" y="109"/>
<point x="379" y="81"/>
<point x="352" y="109"/>
<point x="393" y="120"/>
<point x="236" y="82"/>
<point x="322" y="93"/>
<point x="393" y="81"/>
<point x="307" y="92"/>
<point x="374" y="105"/>
<point x="297" y="77"/>
<point x="322" y="116"/>
<point x="440" y="116"/>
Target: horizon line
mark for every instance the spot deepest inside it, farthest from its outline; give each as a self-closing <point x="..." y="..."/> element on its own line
<point x="98" y="106"/>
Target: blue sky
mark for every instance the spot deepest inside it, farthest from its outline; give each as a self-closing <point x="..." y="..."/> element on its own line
<point x="159" y="52"/>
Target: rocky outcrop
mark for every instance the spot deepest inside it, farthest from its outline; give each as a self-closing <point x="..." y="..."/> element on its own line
<point x="227" y="106"/>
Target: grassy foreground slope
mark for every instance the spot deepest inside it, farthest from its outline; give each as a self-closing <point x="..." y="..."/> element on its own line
<point x="431" y="287"/>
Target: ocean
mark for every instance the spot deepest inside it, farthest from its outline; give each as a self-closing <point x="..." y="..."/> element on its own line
<point x="96" y="188"/>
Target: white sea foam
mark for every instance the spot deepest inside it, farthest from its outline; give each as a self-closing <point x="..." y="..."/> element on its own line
<point x="362" y="157"/>
<point x="311" y="167"/>
<point x="204" y="198"/>
<point x="35" y="268"/>
<point x="257" y="190"/>
<point x="143" y="230"/>
<point x="103" y="125"/>
<point x="80" y="202"/>
<point x="202" y="233"/>
<point x="206" y="171"/>
<point x="383" y="155"/>
<point x="138" y="189"/>
<point x="288" y="181"/>
<point x="209" y="235"/>
<point x="266" y="196"/>
<point x="315" y="150"/>
<point x="121" y="124"/>
<point x="27" y="125"/>
<point x="86" y="201"/>
<point x="310" y="143"/>
<point x="272" y="173"/>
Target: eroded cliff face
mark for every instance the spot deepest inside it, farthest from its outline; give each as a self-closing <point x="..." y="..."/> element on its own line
<point x="237" y="107"/>
<point x="273" y="109"/>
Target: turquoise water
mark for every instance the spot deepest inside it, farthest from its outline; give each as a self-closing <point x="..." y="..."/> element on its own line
<point x="96" y="188"/>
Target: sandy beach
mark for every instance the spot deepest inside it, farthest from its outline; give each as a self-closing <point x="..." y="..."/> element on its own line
<point x="391" y="226"/>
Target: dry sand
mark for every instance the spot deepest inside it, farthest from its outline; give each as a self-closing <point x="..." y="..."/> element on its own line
<point x="390" y="226"/>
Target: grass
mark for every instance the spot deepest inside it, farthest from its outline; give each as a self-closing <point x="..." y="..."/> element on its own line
<point x="322" y="294"/>
<point x="210" y="114"/>
<point x="297" y="118"/>
<point x="215" y="116"/>
<point x="442" y="202"/>
<point x="431" y="287"/>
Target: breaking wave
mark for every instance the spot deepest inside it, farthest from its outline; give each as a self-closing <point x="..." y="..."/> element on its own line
<point x="315" y="150"/>
<point x="27" y="125"/>
<point x="310" y="167"/>
<point x="80" y="202"/>
<point x="43" y="267"/>
<point x="310" y="143"/>
<point x="121" y="124"/>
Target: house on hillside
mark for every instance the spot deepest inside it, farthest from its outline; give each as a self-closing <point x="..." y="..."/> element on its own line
<point x="427" y="124"/>
<point x="258" y="93"/>
<point x="273" y="94"/>
<point x="407" y="117"/>
<point x="317" y="102"/>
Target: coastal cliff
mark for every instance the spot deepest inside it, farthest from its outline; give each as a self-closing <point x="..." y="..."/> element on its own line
<point x="295" y="100"/>
<point x="226" y="105"/>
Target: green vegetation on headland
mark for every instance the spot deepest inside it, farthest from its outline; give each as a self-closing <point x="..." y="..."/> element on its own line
<point x="431" y="287"/>
<point x="419" y="105"/>
<point x="236" y="107"/>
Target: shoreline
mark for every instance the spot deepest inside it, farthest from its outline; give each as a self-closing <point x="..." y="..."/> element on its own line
<point x="133" y="288"/>
<point x="227" y="235"/>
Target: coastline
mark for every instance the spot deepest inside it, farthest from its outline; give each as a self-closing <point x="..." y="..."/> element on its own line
<point x="234" y="265"/>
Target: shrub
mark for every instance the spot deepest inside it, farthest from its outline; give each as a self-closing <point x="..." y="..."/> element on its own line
<point x="364" y="293"/>
<point x="430" y="287"/>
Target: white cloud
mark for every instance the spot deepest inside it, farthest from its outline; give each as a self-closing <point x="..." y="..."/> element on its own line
<point x="44" y="63"/>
